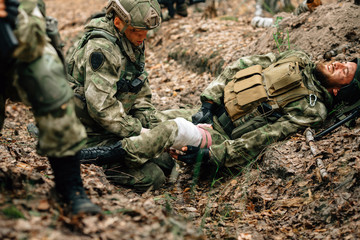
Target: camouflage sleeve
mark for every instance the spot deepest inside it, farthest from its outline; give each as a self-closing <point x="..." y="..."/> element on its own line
<point x="100" y="89"/>
<point x="143" y="109"/>
<point x="30" y="32"/>
<point x="215" y="90"/>
<point x="245" y="149"/>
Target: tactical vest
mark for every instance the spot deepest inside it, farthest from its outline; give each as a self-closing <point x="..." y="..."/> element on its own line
<point x="253" y="89"/>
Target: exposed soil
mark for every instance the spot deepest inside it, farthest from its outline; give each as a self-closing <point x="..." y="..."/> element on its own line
<point x="281" y="195"/>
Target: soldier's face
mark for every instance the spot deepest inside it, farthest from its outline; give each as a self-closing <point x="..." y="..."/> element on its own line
<point x="136" y="36"/>
<point x="336" y="75"/>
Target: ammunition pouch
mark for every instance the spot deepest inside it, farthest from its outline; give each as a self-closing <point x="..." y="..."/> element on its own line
<point x="245" y="92"/>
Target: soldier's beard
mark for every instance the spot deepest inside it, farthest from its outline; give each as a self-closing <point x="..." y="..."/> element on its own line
<point x="320" y="75"/>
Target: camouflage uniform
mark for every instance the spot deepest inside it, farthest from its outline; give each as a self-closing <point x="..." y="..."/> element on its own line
<point x="229" y="152"/>
<point x="38" y="79"/>
<point x="108" y="110"/>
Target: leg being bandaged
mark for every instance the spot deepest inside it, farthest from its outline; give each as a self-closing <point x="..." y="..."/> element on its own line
<point x="190" y="134"/>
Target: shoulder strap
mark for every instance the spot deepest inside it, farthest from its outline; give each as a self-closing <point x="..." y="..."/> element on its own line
<point x="97" y="34"/>
<point x="104" y="34"/>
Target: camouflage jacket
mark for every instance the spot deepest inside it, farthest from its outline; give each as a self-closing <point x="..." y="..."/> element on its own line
<point x="297" y="115"/>
<point x="98" y="68"/>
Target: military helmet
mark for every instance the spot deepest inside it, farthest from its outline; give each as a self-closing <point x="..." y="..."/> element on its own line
<point x="351" y="92"/>
<point x="142" y="14"/>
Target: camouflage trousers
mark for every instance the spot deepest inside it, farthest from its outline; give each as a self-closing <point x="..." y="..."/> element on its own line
<point x="150" y="144"/>
<point x="150" y="173"/>
<point x="143" y="149"/>
<point x="42" y="85"/>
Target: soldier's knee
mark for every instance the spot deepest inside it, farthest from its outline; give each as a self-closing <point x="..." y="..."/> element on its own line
<point x="152" y="177"/>
<point x="149" y="176"/>
<point x="44" y="82"/>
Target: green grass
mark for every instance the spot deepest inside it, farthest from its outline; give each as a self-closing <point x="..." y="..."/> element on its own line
<point x="12" y="212"/>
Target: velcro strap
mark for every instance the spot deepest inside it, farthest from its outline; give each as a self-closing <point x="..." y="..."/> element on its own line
<point x="206" y="136"/>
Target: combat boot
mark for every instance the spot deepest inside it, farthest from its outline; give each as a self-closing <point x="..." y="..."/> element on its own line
<point x="69" y="185"/>
<point x="102" y="155"/>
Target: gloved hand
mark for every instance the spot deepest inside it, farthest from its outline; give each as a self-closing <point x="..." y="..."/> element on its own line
<point x="191" y="154"/>
<point x="204" y="115"/>
<point x="12" y="11"/>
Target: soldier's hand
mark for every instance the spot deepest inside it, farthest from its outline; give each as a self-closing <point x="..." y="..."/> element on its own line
<point x="312" y="4"/>
<point x="11" y="11"/>
<point x="191" y="153"/>
<point x="204" y="115"/>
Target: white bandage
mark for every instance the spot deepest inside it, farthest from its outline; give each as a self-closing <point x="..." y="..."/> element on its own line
<point x="188" y="134"/>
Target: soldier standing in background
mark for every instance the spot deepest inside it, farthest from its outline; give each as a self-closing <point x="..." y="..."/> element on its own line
<point x="31" y="71"/>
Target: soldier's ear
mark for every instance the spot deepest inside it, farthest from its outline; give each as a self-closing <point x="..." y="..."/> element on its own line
<point x="118" y="23"/>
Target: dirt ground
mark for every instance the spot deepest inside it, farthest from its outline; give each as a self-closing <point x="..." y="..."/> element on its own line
<point x="281" y="195"/>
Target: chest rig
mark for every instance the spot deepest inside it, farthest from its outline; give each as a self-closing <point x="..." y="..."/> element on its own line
<point x="134" y="76"/>
<point x="278" y="85"/>
<point x="256" y="96"/>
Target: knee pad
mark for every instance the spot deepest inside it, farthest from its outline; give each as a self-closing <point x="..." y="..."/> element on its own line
<point x="44" y="82"/>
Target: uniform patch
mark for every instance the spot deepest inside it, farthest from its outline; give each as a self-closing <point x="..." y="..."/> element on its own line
<point x="96" y="60"/>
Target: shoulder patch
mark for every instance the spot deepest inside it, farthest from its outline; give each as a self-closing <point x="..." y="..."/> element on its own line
<point x="96" y="60"/>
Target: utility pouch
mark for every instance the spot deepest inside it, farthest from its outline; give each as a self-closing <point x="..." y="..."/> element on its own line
<point x="283" y="82"/>
<point x="282" y="77"/>
<point x="244" y="92"/>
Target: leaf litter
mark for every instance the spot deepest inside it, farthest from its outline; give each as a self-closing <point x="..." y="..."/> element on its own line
<point x="281" y="195"/>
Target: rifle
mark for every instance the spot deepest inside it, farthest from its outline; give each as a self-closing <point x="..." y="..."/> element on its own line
<point x="8" y="41"/>
<point x="354" y="113"/>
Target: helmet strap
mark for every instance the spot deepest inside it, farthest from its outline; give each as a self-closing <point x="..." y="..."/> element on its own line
<point x="124" y="29"/>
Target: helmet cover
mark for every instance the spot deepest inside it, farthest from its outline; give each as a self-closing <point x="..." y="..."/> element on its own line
<point x="141" y="14"/>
